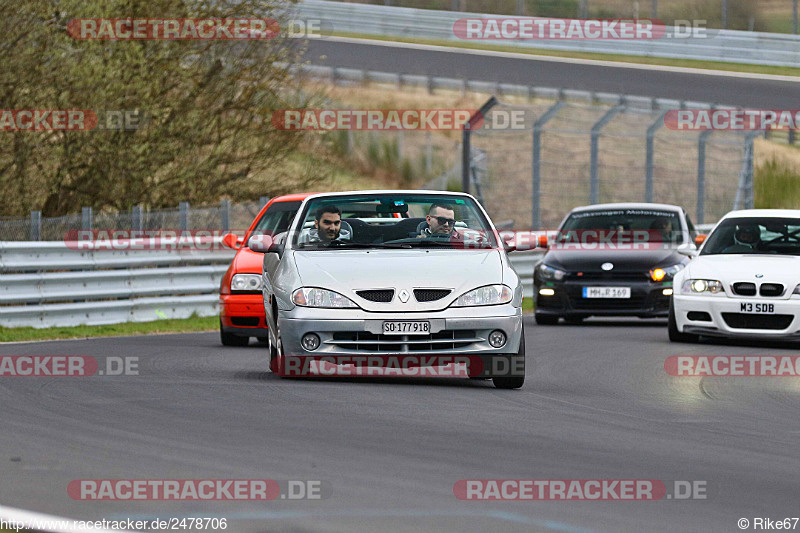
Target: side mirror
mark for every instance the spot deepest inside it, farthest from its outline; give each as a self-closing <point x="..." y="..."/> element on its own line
<point x="689" y="250"/>
<point x="264" y="244"/>
<point x="700" y="239"/>
<point x="542" y="241"/>
<point x="231" y="240"/>
<point x="509" y="246"/>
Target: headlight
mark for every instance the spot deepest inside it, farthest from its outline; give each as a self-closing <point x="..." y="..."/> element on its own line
<point x="665" y="273"/>
<point x="488" y="295"/>
<point x="246" y="282"/>
<point x="551" y="274"/>
<point x="699" y="286"/>
<point x="312" y="297"/>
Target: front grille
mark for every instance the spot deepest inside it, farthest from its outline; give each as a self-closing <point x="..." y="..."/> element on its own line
<point x="744" y="288"/>
<point x="379" y="295"/>
<point x="248" y="321"/>
<point x="748" y="321"/>
<point x="430" y="295"/>
<point x="771" y="289"/>
<point x="364" y="341"/>
<point x="601" y="276"/>
<point x="580" y="304"/>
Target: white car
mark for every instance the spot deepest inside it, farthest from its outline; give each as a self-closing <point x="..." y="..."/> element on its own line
<point x="743" y="282"/>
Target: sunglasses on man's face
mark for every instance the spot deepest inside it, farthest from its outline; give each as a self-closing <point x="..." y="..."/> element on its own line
<point x="443" y="220"/>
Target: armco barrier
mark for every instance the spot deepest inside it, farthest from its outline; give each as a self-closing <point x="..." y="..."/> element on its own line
<point x="47" y="284"/>
<point x="721" y="45"/>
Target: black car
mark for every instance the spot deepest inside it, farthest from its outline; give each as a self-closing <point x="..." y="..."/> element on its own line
<point x="612" y="260"/>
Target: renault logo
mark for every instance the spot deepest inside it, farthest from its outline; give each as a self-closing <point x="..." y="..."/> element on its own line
<point x="607" y="266"/>
<point x="403" y="295"/>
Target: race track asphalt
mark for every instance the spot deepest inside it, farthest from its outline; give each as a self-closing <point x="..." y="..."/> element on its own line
<point x="597" y="404"/>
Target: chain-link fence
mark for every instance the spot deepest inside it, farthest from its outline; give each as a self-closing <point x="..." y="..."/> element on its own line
<point x="573" y="153"/>
<point x="222" y="216"/>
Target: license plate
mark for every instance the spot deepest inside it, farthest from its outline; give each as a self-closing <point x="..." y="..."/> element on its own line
<point x="606" y="292"/>
<point x="406" y="328"/>
<point x="754" y="308"/>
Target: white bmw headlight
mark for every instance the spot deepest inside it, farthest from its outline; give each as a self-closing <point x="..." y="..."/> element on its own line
<point x="246" y="282"/>
<point x="701" y="286"/>
<point x="313" y="297"/>
<point x="488" y="295"/>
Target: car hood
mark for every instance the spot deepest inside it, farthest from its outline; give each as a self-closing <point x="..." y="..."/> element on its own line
<point x="248" y="261"/>
<point x="347" y="271"/>
<point x="623" y="260"/>
<point x="732" y="268"/>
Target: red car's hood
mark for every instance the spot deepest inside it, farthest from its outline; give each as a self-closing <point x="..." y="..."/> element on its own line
<point x="248" y="261"/>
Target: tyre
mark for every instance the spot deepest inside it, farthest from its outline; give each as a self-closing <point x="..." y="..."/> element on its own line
<point x="517" y="362"/>
<point x="672" y="327"/>
<point x="546" y="320"/>
<point x="263" y="340"/>
<point x="276" y="355"/>
<point x="229" y="339"/>
<point x="575" y="320"/>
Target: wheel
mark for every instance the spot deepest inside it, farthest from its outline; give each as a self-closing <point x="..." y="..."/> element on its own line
<point x="517" y="362"/>
<point x="672" y="327"/>
<point x="575" y="320"/>
<point x="263" y="340"/>
<point x="229" y="339"/>
<point x="546" y="320"/>
<point x="276" y="355"/>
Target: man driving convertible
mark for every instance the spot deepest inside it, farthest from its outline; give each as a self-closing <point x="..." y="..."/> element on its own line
<point x="327" y="226"/>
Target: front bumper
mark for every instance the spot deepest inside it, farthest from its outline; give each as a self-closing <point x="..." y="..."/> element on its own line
<point x="243" y="314"/>
<point x="647" y="299"/>
<point x="354" y="331"/>
<point x="722" y="316"/>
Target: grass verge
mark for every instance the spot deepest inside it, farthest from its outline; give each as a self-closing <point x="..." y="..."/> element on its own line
<point x="619" y="58"/>
<point x="527" y="305"/>
<point x="177" y="325"/>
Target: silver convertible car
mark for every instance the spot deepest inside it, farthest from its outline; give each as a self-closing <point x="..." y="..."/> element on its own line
<point x="416" y="279"/>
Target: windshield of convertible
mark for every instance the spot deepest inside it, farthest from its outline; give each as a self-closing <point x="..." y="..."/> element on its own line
<point x="393" y="221"/>
<point x="655" y="224"/>
<point x="767" y="235"/>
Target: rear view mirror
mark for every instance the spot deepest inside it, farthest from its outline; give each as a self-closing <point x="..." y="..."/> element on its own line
<point x="231" y="240"/>
<point x="264" y="244"/>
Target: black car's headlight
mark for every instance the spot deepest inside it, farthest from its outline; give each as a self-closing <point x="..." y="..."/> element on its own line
<point x="549" y="273"/>
<point x="666" y="273"/>
<point x="246" y="282"/>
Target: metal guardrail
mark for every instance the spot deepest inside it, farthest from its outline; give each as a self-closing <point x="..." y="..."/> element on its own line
<point x="55" y="285"/>
<point x="720" y="45"/>
<point x="47" y="284"/>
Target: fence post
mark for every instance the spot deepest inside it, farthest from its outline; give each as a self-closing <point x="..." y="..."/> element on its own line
<point x="794" y="17"/>
<point x="136" y="218"/>
<point x="225" y="213"/>
<point x="792" y="133"/>
<point x="35" y="230"/>
<point x="650" y="164"/>
<point x="428" y="153"/>
<point x="465" y="158"/>
<point x="746" y="175"/>
<point x="263" y="200"/>
<point x="702" y="139"/>
<point x="654" y="10"/>
<point x="86" y="218"/>
<point x="538" y="126"/>
<point x="183" y="215"/>
<point x="724" y="14"/>
<point x="595" y="175"/>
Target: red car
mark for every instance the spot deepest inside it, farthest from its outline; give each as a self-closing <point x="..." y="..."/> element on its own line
<point x="241" y="314"/>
